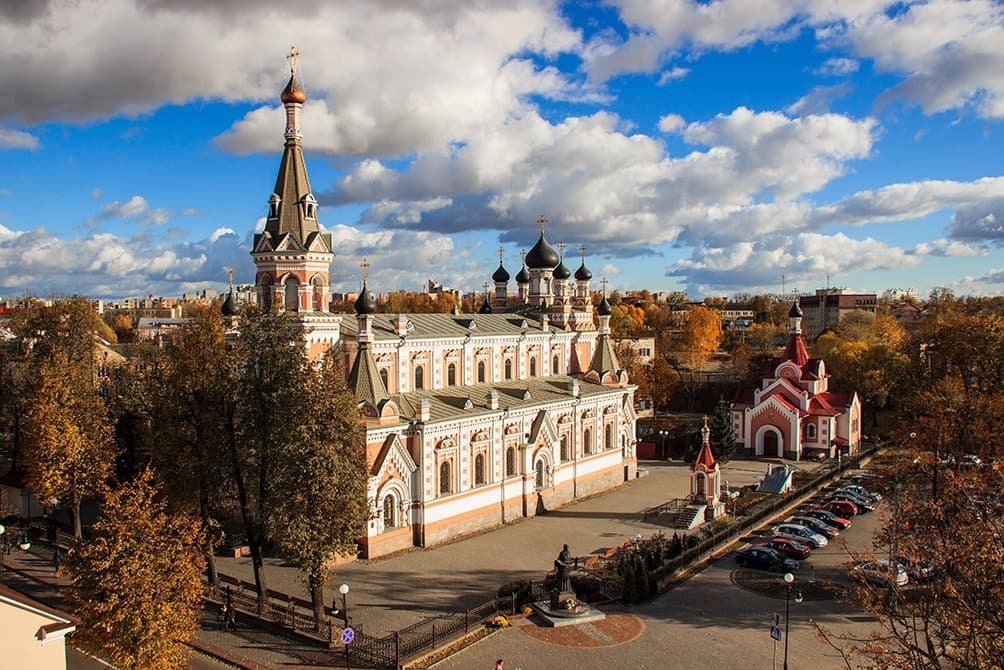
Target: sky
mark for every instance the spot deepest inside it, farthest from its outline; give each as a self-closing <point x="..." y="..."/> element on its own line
<point x="709" y="147"/>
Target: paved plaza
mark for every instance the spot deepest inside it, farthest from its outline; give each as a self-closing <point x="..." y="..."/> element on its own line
<point x="390" y="593"/>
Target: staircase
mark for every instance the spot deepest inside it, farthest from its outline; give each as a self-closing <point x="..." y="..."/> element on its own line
<point x="689" y="517"/>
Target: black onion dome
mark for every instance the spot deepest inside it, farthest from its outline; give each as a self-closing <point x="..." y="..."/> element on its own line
<point x="523" y="277"/>
<point x="365" y="304"/>
<point x="562" y="271"/>
<point x="500" y="275"/>
<point x="229" y="307"/>
<point x="795" y="312"/>
<point x="603" y="309"/>
<point x="583" y="273"/>
<point x="486" y="307"/>
<point x="542" y="256"/>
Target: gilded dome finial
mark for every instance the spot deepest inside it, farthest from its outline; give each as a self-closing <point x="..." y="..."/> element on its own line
<point x="293" y="91"/>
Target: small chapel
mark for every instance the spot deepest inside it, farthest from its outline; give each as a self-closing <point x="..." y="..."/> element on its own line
<point x="793" y="414"/>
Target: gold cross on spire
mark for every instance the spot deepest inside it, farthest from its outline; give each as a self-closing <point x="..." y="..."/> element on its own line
<point x="603" y="283"/>
<point x="501" y="253"/>
<point x="522" y="255"/>
<point x="561" y="249"/>
<point x="293" y="55"/>
<point x="541" y="221"/>
<point x="486" y="286"/>
<point x="365" y="265"/>
<point x="230" y="277"/>
<point x="582" y="252"/>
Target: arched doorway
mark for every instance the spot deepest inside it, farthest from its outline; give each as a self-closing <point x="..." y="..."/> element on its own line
<point x="771" y="444"/>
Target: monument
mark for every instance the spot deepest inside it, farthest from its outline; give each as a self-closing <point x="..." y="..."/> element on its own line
<point x="563" y="608"/>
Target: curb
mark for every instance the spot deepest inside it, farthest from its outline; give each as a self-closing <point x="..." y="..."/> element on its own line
<point x="220" y="654"/>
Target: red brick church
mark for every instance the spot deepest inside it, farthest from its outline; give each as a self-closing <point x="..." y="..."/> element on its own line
<point x="793" y="415"/>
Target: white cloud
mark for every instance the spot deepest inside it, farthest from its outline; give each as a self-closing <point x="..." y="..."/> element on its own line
<point x="17" y="139"/>
<point x="818" y="100"/>
<point x="838" y="67"/>
<point x="136" y="208"/>
<point x="943" y="247"/>
<point x="673" y="74"/>
<point x="671" y="123"/>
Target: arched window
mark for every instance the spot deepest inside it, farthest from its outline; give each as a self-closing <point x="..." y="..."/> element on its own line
<point x="444" y="478"/>
<point x="508" y="369"/>
<point x="273" y="206"/>
<point x="383" y="378"/>
<point x="510" y="462"/>
<point x="266" y="292"/>
<point x="389" y="511"/>
<point x="481" y="372"/>
<point x="810" y="431"/>
<point x="587" y="441"/>
<point x="608" y="437"/>
<point x="555" y="365"/>
<point x="451" y="374"/>
<point x="419" y="377"/>
<point x="318" y="295"/>
<point x="479" y="470"/>
<point x="564" y="448"/>
<point x="538" y="474"/>
<point x="533" y="367"/>
<point x="292" y="296"/>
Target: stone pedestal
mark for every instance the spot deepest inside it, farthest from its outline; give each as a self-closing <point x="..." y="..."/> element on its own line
<point x="559" y="598"/>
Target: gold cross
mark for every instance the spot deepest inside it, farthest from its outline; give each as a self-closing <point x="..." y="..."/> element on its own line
<point x="582" y="252"/>
<point x="293" y="54"/>
<point x="603" y="283"/>
<point x="365" y="265"/>
<point x="561" y="249"/>
<point x="522" y="255"/>
<point x="486" y="286"/>
<point x="230" y="277"/>
<point x="501" y="252"/>
<point x="540" y="222"/>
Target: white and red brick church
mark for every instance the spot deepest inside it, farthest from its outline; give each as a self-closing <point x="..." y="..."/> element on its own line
<point x="793" y="414"/>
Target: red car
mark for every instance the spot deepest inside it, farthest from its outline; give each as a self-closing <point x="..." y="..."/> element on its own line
<point x="842" y="508"/>
<point x="787" y="547"/>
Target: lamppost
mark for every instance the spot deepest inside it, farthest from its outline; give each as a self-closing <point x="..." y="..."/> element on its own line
<point x="788" y="580"/>
<point x="344" y="590"/>
<point x="662" y="450"/>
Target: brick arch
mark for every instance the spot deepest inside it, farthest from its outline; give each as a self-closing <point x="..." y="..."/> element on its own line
<point x="766" y="437"/>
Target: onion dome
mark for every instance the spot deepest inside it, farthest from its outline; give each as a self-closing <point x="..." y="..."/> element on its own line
<point x="542" y="256"/>
<point x="795" y="312"/>
<point x="365" y="304"/>
<point x="486" y="307"/>
<point x="583" y="273"/>
<point x="500" y="275"/>
<point x="523" y="277"/>
<point x="293" y="92"/>
<point x="603" y="309"/>
<point x="562" y="272"/>
<point x="229" y="307"/>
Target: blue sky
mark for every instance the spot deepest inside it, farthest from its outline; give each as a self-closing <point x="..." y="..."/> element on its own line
<point x="710" y="147"/>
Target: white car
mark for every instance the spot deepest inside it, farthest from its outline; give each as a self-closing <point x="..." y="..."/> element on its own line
<point x="799" y="532"/>
<point x="878" y="572"/>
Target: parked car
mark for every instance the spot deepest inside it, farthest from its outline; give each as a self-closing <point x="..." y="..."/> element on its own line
<point x="765" y="558"/>
<point x="812" y="523"/>
<point x="787" y="547"/>
<point x="861" y="491"/>
<point x="801" y="533"/>
<point x="862" y="505"/>
<point x="844" y="508"/>
<point x="879" y="572"/>
<point x="970" y="461"/>
<point x="918" y="570"/>
<point x="829" y="517"/>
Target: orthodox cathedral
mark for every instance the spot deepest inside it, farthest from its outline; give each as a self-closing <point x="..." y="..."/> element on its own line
<point x="472" y="420"/>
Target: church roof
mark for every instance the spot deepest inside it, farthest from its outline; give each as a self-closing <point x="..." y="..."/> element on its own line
<point x="705" y="457"/>
<point x="542" y="256"/>
<point x="364" y="378"/>
<point x="795" y="350"/>
<point x="422" y="326"/>
<point x="604" y="359"/>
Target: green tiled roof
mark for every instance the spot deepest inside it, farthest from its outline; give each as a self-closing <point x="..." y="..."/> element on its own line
<point x="448" y="325"/>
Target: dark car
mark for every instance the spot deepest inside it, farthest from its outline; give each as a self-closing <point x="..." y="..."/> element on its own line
<point x="829" y="517"/>
<point x="765" y="558"/>
<point x="815" y="524"/>
<point x="862" y="505"/>
<point x="788" y="547"/>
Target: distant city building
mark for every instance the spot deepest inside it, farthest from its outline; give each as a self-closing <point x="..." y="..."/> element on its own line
<point x="828" y="307"/>
<point x="794" y="414"/>
<point x="157" y="330"/>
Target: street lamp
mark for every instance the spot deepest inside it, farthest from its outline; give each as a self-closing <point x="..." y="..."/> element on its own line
<point x="662" y="450"/>
<point x="344" y="590"/>
<point x="789" y="579"/>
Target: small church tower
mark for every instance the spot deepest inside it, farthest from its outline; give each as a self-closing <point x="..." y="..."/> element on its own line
<point x="706" y="479"/>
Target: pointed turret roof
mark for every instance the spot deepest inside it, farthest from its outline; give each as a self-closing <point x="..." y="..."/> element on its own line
<point x="605" y="359"/>
<point x="795" y="350"/>
<point x="365" y="380"/>
<point x="705" y="457"/>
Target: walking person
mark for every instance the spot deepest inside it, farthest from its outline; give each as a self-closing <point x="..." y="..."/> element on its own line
<point x="499" y="663"/>
<point x="57" y="559"/>
<point x="231" y="623"/>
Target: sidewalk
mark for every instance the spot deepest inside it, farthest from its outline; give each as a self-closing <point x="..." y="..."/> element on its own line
<point x="251" y="647"/>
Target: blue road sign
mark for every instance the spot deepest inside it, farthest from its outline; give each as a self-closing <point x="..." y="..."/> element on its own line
<point x="775" y="632"/>
<point x="348" y="635"/>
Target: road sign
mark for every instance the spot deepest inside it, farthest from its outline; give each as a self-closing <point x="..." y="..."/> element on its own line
<point x="775" y="632"/>
<point x="348" y="635"/>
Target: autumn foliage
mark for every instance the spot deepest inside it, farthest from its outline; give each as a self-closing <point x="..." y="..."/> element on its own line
<point x="137" y="587"/>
